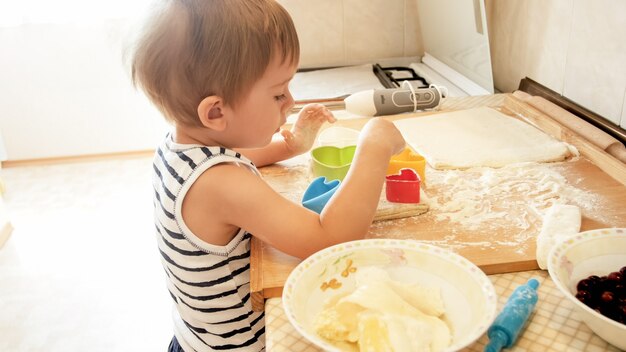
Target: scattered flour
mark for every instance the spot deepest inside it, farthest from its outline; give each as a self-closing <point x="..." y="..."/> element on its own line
<point x="478" y="195"/>
<point x="483" y="200"/>
<point x="479" y="201"/>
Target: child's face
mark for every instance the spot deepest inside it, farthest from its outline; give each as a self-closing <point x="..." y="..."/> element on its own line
<point x="265" y="109"/>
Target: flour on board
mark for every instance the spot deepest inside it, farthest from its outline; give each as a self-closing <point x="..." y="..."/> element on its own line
<point x="483" y="199"/>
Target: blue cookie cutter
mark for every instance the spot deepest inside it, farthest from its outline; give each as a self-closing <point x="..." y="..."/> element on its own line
<point x="318" y="193"/>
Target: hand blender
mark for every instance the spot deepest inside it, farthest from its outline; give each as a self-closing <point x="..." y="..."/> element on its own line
<point x="391" y="101"/>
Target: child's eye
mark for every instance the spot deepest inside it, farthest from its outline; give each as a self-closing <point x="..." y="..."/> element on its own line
<point x="280" y="97"/>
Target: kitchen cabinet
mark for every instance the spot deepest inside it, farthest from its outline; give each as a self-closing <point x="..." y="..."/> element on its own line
<point x="455" y="33"/>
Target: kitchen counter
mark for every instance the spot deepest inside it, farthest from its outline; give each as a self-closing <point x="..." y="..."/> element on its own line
<point x="554" y="326"/>
<point x="595" y="181"/>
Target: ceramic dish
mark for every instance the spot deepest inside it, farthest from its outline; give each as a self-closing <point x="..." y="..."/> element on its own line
<point x="332" y="162"/>
<point x="468" y="295"/>
<point x="595" y="252"/>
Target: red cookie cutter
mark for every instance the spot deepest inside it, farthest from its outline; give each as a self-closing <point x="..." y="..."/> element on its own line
<point x="403" y="187"/>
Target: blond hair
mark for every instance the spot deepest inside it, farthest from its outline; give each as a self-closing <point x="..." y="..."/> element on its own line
<point x="191" y="49"/>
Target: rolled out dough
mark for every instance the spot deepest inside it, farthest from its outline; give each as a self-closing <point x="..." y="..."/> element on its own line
<point x="479" y="137"/>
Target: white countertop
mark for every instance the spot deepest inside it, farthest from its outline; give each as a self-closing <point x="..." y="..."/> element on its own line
<point x="554" y="326"/>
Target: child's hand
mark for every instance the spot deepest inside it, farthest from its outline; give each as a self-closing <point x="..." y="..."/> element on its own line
<point x="303" y="133"/>
<point x="383" y="133"/>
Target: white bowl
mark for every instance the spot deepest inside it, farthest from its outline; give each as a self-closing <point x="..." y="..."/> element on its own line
<point x="595" y="252"/>
<point x="468" y="295"/>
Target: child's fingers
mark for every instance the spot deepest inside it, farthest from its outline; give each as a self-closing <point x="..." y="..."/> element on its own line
<point x="316" y="106"/>
<point x="314" y="116"/>
<point x="324" y="113"/>
<point x="287" y="135"/>
<point x="312" y="108"/>
<point x="329" y="116"/>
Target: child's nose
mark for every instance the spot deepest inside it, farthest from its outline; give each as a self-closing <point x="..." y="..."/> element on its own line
<point x="289" y="102"/>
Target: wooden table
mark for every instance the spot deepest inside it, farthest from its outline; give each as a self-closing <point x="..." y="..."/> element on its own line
<point x="501" y="249"/>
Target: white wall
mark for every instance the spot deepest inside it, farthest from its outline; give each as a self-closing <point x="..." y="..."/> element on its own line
<point x="345" y="32"/>
<point x="64" y="92"/>
<point x="3" y="152"/>
<point x="595" y="72"/>
<point x="575" y="47"/>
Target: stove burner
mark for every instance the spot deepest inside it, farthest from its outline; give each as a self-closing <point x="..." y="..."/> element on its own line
<point x="392" y="77"/>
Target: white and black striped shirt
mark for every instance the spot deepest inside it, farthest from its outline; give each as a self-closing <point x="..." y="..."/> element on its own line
<point x="210" y="284"/>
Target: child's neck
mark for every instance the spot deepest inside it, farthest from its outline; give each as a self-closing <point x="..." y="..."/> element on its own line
<point x="193" y="135"/>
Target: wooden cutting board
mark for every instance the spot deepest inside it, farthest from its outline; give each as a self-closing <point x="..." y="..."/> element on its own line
<point x="504" y="243"/>
<point x="292" y="178"/>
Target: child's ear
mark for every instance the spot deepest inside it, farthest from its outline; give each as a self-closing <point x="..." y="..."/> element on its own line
<point x="210" y="113"/>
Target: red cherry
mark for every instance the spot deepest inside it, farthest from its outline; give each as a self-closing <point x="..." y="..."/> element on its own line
<point x="594" y="278"/>
<point x="585" y="297"/>
<point x="583" y="285"/>
<point x="615" y="277"/>
<point x="607" y="297"/>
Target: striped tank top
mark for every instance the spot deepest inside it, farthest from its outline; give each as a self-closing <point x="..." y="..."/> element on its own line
<point x="210" y="284"/>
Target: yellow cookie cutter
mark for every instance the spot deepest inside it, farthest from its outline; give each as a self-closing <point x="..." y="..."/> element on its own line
<point x="408" y="159"/>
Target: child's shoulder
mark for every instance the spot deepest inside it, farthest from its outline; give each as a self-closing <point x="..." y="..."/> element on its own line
<point x="179" y="165"/>
<point x="195" y="155"/>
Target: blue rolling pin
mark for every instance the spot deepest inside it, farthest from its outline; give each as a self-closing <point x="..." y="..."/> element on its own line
<point x="508" y="324"/>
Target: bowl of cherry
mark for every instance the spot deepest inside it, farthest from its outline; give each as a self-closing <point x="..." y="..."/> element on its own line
<point x="590" y="270"/>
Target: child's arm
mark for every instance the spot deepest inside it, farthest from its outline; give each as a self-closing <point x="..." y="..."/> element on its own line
<point x="296" y="141"/>
<point x="240" y="199"/>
